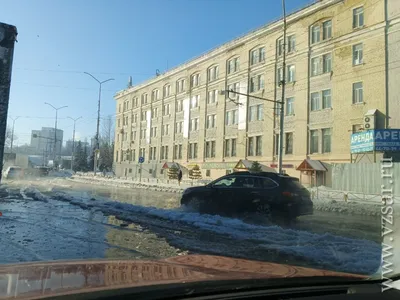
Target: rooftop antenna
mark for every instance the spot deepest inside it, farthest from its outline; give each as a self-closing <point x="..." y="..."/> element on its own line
<point x="130" y="81"/>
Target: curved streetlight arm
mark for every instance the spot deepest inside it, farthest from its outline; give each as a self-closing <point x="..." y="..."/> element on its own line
<point x="50" y="105"/>
<point x="74" y="119"/>
<point x="107" y="80"/>
<point x="87" y="73"/>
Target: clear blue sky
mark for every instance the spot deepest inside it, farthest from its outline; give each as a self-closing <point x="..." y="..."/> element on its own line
<point x="59" y="40"/>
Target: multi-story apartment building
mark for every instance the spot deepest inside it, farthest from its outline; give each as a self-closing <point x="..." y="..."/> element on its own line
<point x="337" y="67"/>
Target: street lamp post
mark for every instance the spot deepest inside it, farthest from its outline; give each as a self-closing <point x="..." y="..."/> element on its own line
<point x="73" y="142"/>
<point x="97" y="146"/>
<point x="55" y="129"/>
<point x="12" y="133"/>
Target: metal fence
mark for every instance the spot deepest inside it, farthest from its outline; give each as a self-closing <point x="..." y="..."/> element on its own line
<point x="364" y="178"/>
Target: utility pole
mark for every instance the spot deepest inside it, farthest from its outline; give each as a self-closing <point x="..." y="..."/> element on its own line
<point x="12" y="133"/>
<point x="283" y="82"/>
<point x="55" y="130"/>
<point x="73" y="142"/>
<point x="97" y="146"/>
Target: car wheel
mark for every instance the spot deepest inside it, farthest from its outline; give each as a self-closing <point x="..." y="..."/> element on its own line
<point x="194" y="203"/>
<point x="264" y="209"/>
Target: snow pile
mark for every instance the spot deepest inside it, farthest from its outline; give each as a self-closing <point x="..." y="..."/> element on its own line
<point x="33" y="193"/>
<point x="327" y="250"/>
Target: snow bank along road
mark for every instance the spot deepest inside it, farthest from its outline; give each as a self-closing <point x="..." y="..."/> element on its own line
<point x="62" y="225"/>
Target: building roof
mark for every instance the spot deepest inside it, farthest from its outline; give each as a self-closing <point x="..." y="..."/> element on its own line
<point x="246" y="165"/>
<point x="311" y="165"/>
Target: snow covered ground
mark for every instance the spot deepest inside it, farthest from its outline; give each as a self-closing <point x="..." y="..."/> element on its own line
<point x="182" y="229"/>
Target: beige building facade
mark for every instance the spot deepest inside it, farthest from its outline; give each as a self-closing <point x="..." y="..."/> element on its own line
<point x="336" y="74"/>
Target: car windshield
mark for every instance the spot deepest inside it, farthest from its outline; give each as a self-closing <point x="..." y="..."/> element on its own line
<point x="197" y="140"/>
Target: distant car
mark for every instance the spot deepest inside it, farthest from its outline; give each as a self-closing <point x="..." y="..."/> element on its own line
<point x="246" y="192"/>
<point x="14" y="172"/>
<point x="42" y="171"/>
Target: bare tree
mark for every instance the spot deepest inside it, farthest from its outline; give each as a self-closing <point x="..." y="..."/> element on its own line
<point x="9" y="137"/>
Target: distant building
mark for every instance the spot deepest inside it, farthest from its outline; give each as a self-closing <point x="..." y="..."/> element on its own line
<point x="43" y="140"/>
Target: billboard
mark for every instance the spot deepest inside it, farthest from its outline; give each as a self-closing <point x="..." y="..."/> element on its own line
<point x="375" y="140"/>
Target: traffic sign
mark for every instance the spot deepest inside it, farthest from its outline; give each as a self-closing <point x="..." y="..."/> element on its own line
<point x="141" y="159"/>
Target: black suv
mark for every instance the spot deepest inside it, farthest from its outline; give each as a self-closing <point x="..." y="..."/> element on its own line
<point x="246" y="192"/>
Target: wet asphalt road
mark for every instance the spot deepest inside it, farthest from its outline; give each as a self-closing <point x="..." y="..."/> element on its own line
<point x="31" y="230"/>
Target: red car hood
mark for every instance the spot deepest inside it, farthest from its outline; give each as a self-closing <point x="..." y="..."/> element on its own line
<point x="46" y="279"/>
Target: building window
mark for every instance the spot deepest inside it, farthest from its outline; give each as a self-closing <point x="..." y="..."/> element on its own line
<point x="179" y="127"/>
<point x="233" y="148"/>
<point x="178" y="152"/>
<point x="155" y="95"/>
<point x="195" y="80"/>
<point x="281" y="47"/>
<point x="153" y="153"/>
<point x="315" y="34"/>
<point x="326" y="140"/>
<point x="213" y="73"/>
<point x="167" y="90"/>
<point x="280" y="75"/>
<point x="289" y="143"/>
<point x="250" y="151"/>
<point x="193" y="150"/>
<point x="291" y="44"/>
<point x="166" y="109"/>
<point x="314" y="101"/>
<point x="315" y="66"/>
<point x="143" y="116"/>
<point x="164" y="130"/>
<point x="255" y="146"/>
<point x="357" y="54"/>
<point x="256" y="112"/>
<point x="313" y="141"/>
<point x="256" y="83"/>
<point x="234" y="87"/>
<point x="210" y="149"/>
<point x="179" y="105"/>
<point x="212" y="96"/>
<point x="257" y="56"/>
<point x="358" y="96"/>
<point x="211" y="121"/>
<point x="259" y="145"/>
<point x="180" y="85"/>
<point x="291" y="70"/>
<point x="357" y="128"/>
<point x="326" y="99"/>
<point x="327" y="30"/>
<point x="290" y="106"/>
<point x="153" y="132"/>
<point x="358" y="17"/>
<point x="227" y="148"/>
<point x="194" y="124"/>
<point x="195" y="101"/>
<point x="164" y="152"/>
<point x="154" y="112"/>
<point x="231" y="117"/>
<point x="327" y="63"/>
<point x="233" y="65"/>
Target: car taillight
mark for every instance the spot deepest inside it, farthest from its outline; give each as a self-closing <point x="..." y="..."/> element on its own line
<point x="289" y="194"/>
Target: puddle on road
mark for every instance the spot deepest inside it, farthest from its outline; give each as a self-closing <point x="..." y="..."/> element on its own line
<point x="140" y="197"/>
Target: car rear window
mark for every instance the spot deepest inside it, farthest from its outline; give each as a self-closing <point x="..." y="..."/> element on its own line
<point x="293" y="183"/>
